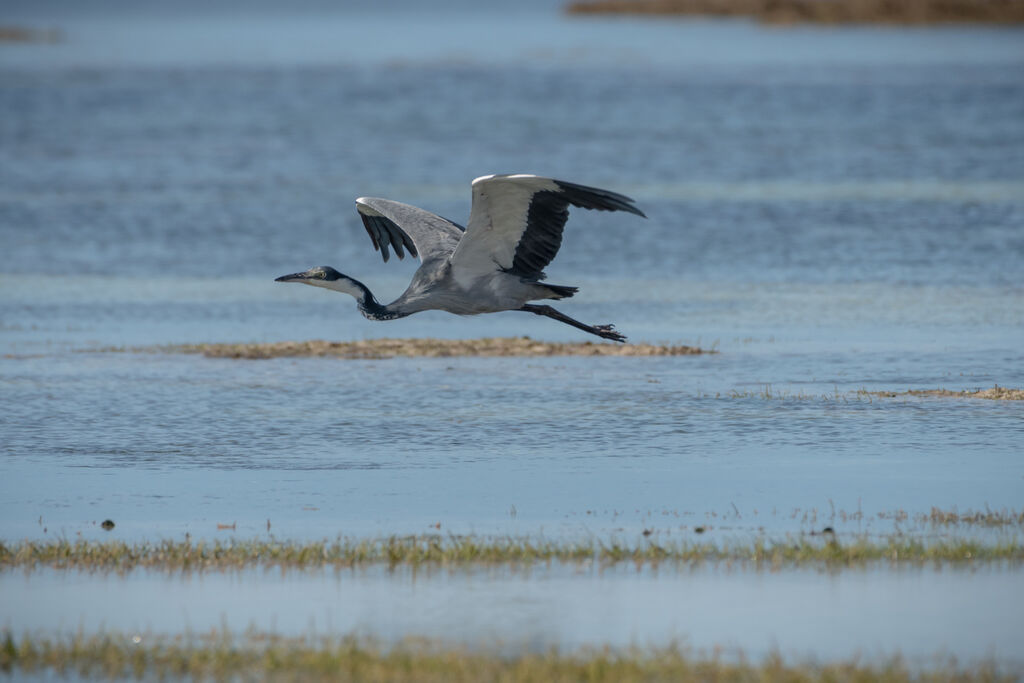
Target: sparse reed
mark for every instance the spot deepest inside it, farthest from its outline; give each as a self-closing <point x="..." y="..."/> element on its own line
<point x="825" y="550"/>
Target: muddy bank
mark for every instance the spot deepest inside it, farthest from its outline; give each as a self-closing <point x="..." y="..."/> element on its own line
<point x="433" y="348"/>
<point x="819" y="11"/>
<point x="996" y="393"/>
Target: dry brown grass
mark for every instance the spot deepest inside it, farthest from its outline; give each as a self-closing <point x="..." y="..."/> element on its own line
<point x="821" y="11"/>
<point x="433" y="348"/>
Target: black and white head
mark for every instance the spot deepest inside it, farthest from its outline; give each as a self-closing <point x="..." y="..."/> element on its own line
<point x="327" y="277"/>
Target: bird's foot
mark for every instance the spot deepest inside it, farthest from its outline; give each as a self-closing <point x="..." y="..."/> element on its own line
<point x="608" y="332"/>
<point x="603" y="331"/>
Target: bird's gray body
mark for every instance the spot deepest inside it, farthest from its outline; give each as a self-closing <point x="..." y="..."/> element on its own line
<point x="494" y="264"/>
<point x="434" y="287"/>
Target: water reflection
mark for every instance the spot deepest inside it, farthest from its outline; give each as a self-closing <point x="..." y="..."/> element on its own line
<point x="797" y="613"/>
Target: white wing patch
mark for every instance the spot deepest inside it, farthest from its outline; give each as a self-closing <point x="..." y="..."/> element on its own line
<point x="497" y="221"/>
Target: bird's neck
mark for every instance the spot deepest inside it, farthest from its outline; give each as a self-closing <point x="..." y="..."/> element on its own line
<point x="368" y="304"/>
<point x="373" y="310"/>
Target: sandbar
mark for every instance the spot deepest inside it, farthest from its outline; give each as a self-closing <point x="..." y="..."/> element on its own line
<point x="433" y="348"/>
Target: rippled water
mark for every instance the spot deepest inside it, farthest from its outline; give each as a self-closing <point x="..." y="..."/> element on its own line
<point x="831" y="209"/>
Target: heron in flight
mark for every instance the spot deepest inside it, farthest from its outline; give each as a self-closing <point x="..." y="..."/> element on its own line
<point x="496" y="263"/>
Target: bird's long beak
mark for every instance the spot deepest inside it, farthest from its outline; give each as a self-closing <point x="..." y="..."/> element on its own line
<point x="292" y="277"/>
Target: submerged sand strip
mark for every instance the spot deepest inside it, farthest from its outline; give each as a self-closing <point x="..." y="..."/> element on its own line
<point x="820" y="11"/>
<point x="996" y="393"/>
<point x="433" y="348"/>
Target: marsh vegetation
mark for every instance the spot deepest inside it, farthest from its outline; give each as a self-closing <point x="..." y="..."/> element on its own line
<point x="823" y="549"/>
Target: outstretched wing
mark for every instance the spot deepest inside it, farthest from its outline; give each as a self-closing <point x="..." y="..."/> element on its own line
<point x="517" y="220"/>
<point x="402" y="226"/>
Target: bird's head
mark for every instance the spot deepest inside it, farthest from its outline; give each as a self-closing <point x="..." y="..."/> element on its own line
<point x="327" y="277"/>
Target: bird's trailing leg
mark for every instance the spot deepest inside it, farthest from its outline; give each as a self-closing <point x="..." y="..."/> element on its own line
<point x="604" y="331"/>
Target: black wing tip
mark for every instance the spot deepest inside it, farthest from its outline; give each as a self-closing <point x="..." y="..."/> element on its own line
<point x="587" y="197"/>
<point x="633" y="210"/>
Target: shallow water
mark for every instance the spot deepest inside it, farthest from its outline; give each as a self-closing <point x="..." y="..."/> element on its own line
<point x="800" y="614"/>
<point x="463" y="441"/>
<point x="832" y="209"/>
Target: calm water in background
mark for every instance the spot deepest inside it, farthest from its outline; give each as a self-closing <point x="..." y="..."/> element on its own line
<point x="832" y="209"/>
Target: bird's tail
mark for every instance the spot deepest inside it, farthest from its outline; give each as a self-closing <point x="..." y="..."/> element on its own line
<point x="561" y="291"/>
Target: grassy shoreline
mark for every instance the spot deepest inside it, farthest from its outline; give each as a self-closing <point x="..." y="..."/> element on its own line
<point x="821" y="550"/>
<point x="220" y="655"/>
